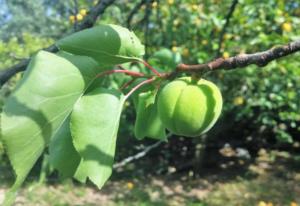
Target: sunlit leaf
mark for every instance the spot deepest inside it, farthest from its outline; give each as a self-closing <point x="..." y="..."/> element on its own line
<point x="38" y="107"/>
<point x="107" y="44"/>
<point x="94" y="127"/>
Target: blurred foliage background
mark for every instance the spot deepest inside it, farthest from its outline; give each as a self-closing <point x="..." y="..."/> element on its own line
<point x="261" y="105"/>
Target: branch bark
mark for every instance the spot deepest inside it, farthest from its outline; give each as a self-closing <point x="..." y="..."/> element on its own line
<point x="75" y="14"/>
<point x="87" y="22"/>
<point x="6" y="74"/>
<point x="146" y="33"/>
<point x="137" y="156"/>
<point x="133" y="12"/>
<point x="223" y="31"/>
<point x="260" y="59"/>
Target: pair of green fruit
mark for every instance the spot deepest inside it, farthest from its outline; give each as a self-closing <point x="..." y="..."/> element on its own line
<point x="184" y="107"/>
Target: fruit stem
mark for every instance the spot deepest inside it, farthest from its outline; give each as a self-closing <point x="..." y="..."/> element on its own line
<point x="151" y="68"/>
<point x="124" y="86"/>
<point x="195" y="77"/>
<point x="147" y="81"/>
<point x="127" y="72"/>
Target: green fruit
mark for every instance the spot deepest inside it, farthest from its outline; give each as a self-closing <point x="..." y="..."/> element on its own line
<point x="148" y="123"/>
<point x="189" y="108"/>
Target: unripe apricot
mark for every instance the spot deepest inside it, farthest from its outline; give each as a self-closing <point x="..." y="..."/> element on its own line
<point x="189" y="108"/>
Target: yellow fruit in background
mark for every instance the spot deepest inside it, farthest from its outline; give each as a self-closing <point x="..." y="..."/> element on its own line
<point x="185" y="52"/>
<point x="293" y="204"/>
<point x="79" y="17"/>
<point x="286" y="27"/>
<point x="227" y="36"/>
<point x="170" y="2"/>
<point x="195" y="7"/>
<point x="154" y="4"/>
<point x="130" y="185"/>
<point x="72" y="18"/>
<point x="204" y="42"/>
<point x="197" y="22"/>
<point x="226" y="55"/>
<point x="83" y="12"/>
<point x="238" y="101"/>
<point x="174" y="48"/>
<point x="262" y="203"/>
<point x="189" y="108"/>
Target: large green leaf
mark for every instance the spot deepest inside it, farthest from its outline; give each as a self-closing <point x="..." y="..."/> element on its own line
<point x="148" y="123"/>
<point x="63" y="155"/>
<point x="42" y="101"/>
<point x="107" y="44"/>
<point x="94" y="127"/>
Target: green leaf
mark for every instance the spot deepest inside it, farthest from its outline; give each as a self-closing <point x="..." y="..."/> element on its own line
<point x="62" y="154"/>
<point x="42" y="101"/>
<point x="107" y="44"/>
<point x="148" y="123"/>
<point x="143" y="89"/>
<point x="94" y="126"/>
<point x="284" y="137"/>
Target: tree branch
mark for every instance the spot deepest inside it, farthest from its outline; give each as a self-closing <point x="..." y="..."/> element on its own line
<point x="87" y="22"/>
<point x="6" y="74"/>
<point x="146" y="32"/>
<point x="260" y="59"/>
<point x="94" y="13"/>
<point x="223" y="31"/>
<point x="139" y="154"/>
<point x="133" y="12"/>
<point x="75" y="14"/>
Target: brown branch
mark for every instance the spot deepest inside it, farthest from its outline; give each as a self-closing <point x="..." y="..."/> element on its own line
<point x="147" y="81"/>
<point x="223" y="31"/>
<point x="260" y="59"/>
<point x="75" y="14"/>
<point x="94" y="13"/>
<point x="126" y="72"/>
<point x="146" y="32"/>
<point x="139" y="155"/>
<point x="87" y="22"/>
<point x="133" y="12"/>
<point x="6" y="74"/>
